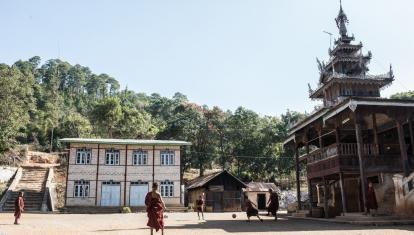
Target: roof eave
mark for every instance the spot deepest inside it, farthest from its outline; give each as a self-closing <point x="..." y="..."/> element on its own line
<point x="126" y="141"/>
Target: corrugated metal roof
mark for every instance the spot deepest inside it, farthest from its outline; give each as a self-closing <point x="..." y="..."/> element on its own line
<point x="202" y="180"/>
<point x="261" y="187"/>
<point x="124" y="141"/>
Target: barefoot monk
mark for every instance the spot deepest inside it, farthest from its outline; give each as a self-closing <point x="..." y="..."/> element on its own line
<point x="155" y="210"/>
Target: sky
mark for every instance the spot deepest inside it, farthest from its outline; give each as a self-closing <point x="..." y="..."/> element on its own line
<point x="259" y="54"/>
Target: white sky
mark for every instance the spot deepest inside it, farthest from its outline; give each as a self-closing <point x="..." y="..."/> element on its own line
<point x="259" y="54"/>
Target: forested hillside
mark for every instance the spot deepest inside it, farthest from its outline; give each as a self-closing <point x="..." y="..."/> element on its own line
<point x="42" y="102"/>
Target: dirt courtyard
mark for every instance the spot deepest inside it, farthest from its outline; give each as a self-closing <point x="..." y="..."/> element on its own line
<point x="180" y="224"/>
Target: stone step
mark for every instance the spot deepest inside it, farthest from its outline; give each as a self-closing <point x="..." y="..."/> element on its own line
<point x="32" y="184"/>
<point x="26" y="201"/>
<point x="25" y="209"/>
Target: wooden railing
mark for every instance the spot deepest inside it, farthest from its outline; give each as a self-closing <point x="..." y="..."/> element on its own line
<point x="345" y="149"/>
<point x="344" y="157"/>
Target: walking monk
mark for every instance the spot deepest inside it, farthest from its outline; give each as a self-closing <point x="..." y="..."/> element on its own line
<point x="273" y="203"/>
<point x="200" y="206"/>
<point x="155" y="210"/>
<point x="18" y="207"/>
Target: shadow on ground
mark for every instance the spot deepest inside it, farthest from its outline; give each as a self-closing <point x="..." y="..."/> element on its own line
<point x="284" y="224"/>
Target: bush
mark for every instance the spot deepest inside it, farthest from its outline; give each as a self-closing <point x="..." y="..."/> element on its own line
<point x="126" y="209"/>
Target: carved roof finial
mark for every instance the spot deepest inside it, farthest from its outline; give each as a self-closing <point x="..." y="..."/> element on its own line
<point x="341" y="21"/>
<point x="310" y="90"/>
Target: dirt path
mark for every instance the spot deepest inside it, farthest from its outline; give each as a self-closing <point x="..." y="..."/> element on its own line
<point x="180" y="224"/>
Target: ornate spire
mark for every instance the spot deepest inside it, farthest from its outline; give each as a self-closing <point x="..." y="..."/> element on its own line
<point x="341" y="21"/>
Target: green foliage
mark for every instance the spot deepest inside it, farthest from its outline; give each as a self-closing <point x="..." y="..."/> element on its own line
<point x="40" y="103"/>
<point x="107" y="113"/>
<point x="409" y="95"/>
<point x="16" y="102"/>
<point x="75" y="125"/>
<point x="136" y="124"/>
<point x="126" y="209"/>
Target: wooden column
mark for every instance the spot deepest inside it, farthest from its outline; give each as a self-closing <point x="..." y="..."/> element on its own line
<point x="125" y="176"/>
<point x="320" y="138"/>
<point x="97" y="176"/>
<point x="297" y="177"/>
<point x="337" y="135"/>
<point x="410" y="126"/>
<point x="358" y="134"/>
<point x="325" y="198"/>
<point x="153" y="164"/>
<point x="310" y="194"/>
<point x="341" y="185"/>
<point x="375" y="133"/>
<point x="309" y="180"/>
<point x="403" y="148"/>
<point x="67" y="174"/>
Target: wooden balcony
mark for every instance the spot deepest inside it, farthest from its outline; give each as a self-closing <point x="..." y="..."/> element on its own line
<point x="344" y="158"/>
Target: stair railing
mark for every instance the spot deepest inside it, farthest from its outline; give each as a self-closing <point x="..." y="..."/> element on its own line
<point x="48" y="194"/>
<point x="12" y="187"/>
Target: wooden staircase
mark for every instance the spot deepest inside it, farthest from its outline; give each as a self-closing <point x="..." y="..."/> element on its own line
<point x="32" y="183"/>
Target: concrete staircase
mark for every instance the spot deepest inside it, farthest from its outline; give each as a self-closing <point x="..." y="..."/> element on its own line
<point x="32" y="183"/>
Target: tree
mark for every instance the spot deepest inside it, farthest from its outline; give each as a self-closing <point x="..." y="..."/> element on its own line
<point x="107" y="113"/>
<point x="15" y="104"/>
<point x="136" y="124"/>
<point x="74" y="125"/>
<point x="409" y="95"/>
<point x="41" y="103"/>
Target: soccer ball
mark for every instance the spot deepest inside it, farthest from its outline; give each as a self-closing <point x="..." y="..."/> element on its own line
<point x="234" y="216"/>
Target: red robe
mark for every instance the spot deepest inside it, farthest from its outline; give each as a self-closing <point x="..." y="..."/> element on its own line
<point x="155" y="212"/>
<point x="18" y="207"/>
<point x="200" y="204"/>
<point x="274" y="204"/>
<point x="250" y="210"/>
<point x="371" y="199"/>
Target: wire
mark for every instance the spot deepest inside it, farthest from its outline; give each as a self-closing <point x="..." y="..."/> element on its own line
<point x="239" y="156"/>
<point x="385" y="69"/>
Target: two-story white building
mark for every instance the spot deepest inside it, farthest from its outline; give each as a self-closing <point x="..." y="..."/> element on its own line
<point x="120" y="172"/>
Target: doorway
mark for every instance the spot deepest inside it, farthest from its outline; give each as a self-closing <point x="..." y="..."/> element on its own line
<point x="138" y="191"/>
<point x="111" y="194"/>
<point x="261" y="201"/>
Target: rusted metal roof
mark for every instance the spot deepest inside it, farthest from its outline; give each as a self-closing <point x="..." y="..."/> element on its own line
<point x="261" y="187"/>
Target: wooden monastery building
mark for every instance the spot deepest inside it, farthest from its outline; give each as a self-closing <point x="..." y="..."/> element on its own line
<point x="356" y="137"/>
<point x="120" y="172"/>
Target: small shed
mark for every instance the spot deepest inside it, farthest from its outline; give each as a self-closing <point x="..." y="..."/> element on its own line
<point x="258" y="193"/>
<point x="222" y="191"/>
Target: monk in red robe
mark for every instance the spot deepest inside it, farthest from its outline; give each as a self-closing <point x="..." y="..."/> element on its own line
<point x="155" y="210"/>
<point x="200" y="207"/>
<point x="18" y="208"/>
<point x="371" y="200"/>
<point x="251" y="209"/>
<point x="273" y="203"/>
